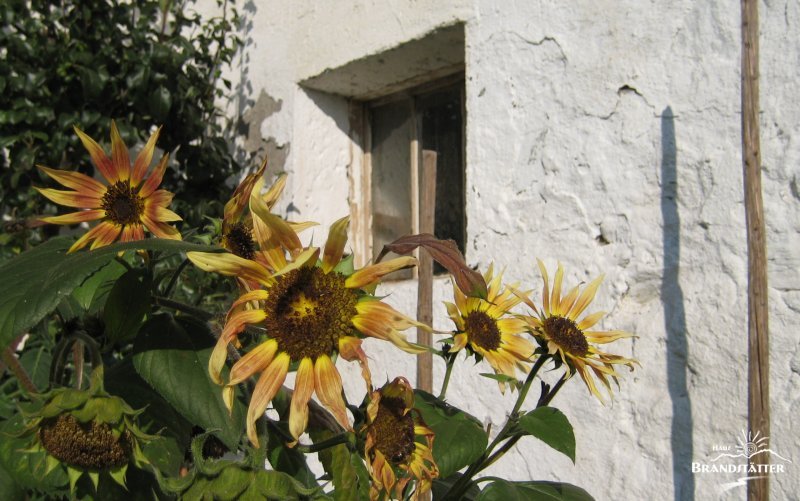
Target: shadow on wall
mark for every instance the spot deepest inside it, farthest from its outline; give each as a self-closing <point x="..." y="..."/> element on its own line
<point x="675" y="317"/>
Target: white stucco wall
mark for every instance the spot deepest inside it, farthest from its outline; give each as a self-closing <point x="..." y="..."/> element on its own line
<point x="605" y="135"/>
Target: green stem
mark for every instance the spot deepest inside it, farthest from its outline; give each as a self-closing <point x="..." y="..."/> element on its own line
<point x="174" y="279"/>
<point x="342" y="438"/>
<point x="462" y="484"/>
<point x="186" y="308"/>
<point x="450" y="361"/>
<point x="16" y="368"/>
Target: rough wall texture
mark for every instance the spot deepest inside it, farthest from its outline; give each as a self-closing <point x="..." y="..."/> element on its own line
<point x="605" y="135"/>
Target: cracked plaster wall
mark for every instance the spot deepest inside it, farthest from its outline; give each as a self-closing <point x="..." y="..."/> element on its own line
<point x="605" y="135"/>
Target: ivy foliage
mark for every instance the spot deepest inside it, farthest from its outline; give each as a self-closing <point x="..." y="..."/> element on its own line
<point x="86" y="62"/>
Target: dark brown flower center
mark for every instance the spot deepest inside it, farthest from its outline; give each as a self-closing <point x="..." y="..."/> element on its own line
<point x="393" y="430"/>
<point x="122" y="204"/>
<point x="308" y="310"/>
<point x="565" y="333"/>
<point x="86" y="445"/>
<point x="482" y="330"/>
<point x="239" y="240"/>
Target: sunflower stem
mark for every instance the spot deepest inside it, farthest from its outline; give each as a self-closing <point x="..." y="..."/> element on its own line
<point x="186" y="308"/>
<point x="462" y="484"/>
<point x="342" y="438"/>
<point x="10" y="361"/>
<point x="174" y="279"/>
<point x="450" y="362"/>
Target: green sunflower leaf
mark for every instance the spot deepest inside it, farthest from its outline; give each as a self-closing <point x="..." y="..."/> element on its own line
<point x="350" y="477"/>
<point x="442" y="485"/>
<point x="503" y="379"/>
<point x="460" y="438"/>
<point x="502" y="490"/>
<point x="33" y="283"/>
<point x="271" y="484"/>
<point x="27" y="469"/>
<point x="127" y="304"/>
<point x="552" y="427"/>
<point x="172" y="354"/>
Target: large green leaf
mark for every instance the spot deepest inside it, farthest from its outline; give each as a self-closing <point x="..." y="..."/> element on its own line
<point x="171" y="354"/>
<point x="346" y="469"/>
<point x="127" y="304"/>
<point x="92" y="293"/>
<point x="33" y="283"/>
<point x="460" y="438"/>
<point x="551" y="426"/>
<point x="442" y="485"/>
<point x="27" y="469"/>
<point x="502" y="490"/>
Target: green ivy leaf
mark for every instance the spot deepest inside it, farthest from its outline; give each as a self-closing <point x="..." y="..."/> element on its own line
<point x="502" y="490"/>
<point x="460" y="438"/>
<point x="172" y="354"/>
<point x="33" y="283"/>
<point x="552" y="427"/>
<point x="127" y="304"/>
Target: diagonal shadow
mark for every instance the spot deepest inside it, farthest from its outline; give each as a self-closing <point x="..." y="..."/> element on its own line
<point x="675" y="317"/>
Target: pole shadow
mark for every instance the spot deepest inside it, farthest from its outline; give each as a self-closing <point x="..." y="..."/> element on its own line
<point x="675" y="317"/>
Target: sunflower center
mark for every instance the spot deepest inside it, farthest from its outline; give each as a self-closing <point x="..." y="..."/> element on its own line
<point x="482" y="330"/>
<point x="393" y="430"/>
<point x="308" y="310"/>
<point x="239" y="240"/>
<point x="565" y="333"/>
<point x="122" y="204"/>
<point x="86" y="445"/>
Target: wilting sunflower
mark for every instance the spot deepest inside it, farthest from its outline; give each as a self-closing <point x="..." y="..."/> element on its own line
<point x="311" y="311"/>
<point x="558" y="328"/>
<point x="125" y="206"/>
<point x="239" y="228"/>
<point x="85" y="432"/>
<point x="488" y="329"/>
<point x="394" y="456"/>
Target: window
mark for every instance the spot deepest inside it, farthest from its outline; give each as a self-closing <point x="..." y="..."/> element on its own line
<point x="399" y="128"/>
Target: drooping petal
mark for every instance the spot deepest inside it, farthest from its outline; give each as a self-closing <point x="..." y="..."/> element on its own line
<point x="384" y="313"/>
<point x="373" y="327"/>
<point x="256" y="360"/>
<point x="144" y="158"/>
<point x="455" y="315"/>
<point x="328" y="383"/>
<point x="231" y="265"/>
<point x="334" y="246"/>
<point x="248" y="297"/>
<point x="75" y="199"/>
<point x="274" y="192"/>
<point x="99" y="157"/>
<point x="303" y="389"/>
<point x="350" y="350"/>
<point x="459" y="342"/>
<point x="119" y="154"/>
<point x="75" y="217"/>
<point x="279" y="231"/>
<point x="234" y="208"/>
<point x="154" y="180"/>
<point x="372" y="274"/>
<point x="76" y="181"/>
<point x="235" y="324"/>
<point x="268" y="385"/>
<point x="159" y="229"/>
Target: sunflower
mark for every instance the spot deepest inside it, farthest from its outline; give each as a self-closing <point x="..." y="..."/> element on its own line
<point x="557" y="326"/>
<point x="310" y="311"/>
<point x="487" y="328"/>
<point x="391" y="447"/>
<point x="125" y="205"/>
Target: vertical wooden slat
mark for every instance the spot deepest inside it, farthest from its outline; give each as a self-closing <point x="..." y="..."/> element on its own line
<point x="427" y="210"/>
<point x="758" y="315"/>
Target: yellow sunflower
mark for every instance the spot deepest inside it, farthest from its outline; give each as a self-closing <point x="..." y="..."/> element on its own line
<point x="394" y="456"/>
<point x="310" y="311"/>
<point x="558" y="327"/>
<point x="125" y="205"/>
<point x="489" y="330"/>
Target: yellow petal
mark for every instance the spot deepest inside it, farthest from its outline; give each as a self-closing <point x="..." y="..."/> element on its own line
<point x="546" y="289"/>
<point x="75" y="199"/>
<point x="99" y="158"/>
<point x="303" y="388"/>
<point x="154" y="180"/>
<point x="256" y="360"/>
<point x="268" y="385"/>
<point x="107" y="232"/>
<point x="231" y="265"/>
<point x="88" y="237"/>
<point x="372" y="274"/>
<point x="274" y="192"/>
<point x="75" y="217"/>
<point x="590" y="320"/>
<point x="76" y="181"/>
<point x="144" y="158"/>
<point x="235" y="324"/>
<point x="555" y="297"/>
<point x="334" y="246"/>
<point x="279" y="231"/>
<point x="329" y="389"/>
<point x="586" y="297"/>
<point x="119" y="154"/>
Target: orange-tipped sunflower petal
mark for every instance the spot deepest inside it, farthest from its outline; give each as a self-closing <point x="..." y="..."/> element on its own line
<point x="303" y="389"/>
<point x="256" y="360"/>
<point x="334" y="246"/>
<point x="329" y="389"/>
<point x="372" y="274"/>
<point x="268" y="385"/>
<point x="99" y="157"/>
<point x="144" y="158"/>
<point x="75" y="217"/>
<point x="119" y="154"/>
<point x="76" y="181"/>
